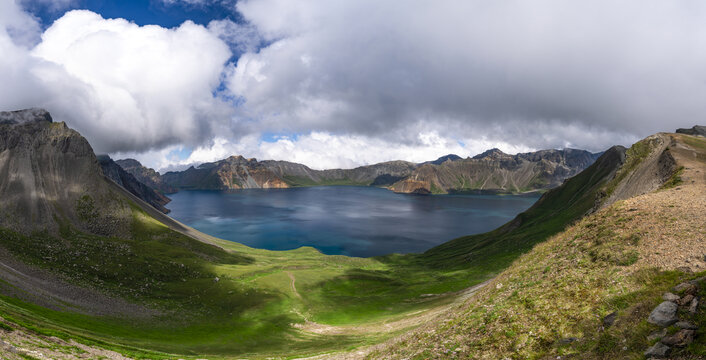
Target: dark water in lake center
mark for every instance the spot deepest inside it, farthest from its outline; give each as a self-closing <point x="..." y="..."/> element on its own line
<point x="344" y="220"/>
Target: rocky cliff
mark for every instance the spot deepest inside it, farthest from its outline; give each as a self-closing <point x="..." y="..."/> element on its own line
<point x="117" y="174"/>
<point x="235" y="172"/>
<point x="495" y="171"/>
<point x="50" y="177"/>
<point x="145" y="175"/>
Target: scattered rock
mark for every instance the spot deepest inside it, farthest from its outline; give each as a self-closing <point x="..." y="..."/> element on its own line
<point x="694" y="306"/>
<point x="568" y="340"/>
<point x="697" y="282"/>
<point x="670" y="297"/>
<point x="686" y="300"/>
<point x="609" y="320"/>
<point x="682" y="338"/>
<point x="657" y="351"/>
<point x="664" y="314"/>
<point x="686" y="325"/>
<point x="657" y="335"/>
<point x="685" y="269"/>
<point x="685" y="288"/>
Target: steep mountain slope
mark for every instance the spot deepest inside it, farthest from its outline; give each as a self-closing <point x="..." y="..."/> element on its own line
<point x="49" y="175"/>
<point x="114" y="172"/>
<point x="145" y="175"/>
<point x="555" y="300"/>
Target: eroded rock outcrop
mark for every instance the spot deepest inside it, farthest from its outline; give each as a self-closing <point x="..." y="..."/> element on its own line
<point x="49" y="176"/>
<point x="117" y="174"/>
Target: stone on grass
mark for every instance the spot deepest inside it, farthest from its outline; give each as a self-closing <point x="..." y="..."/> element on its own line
<point x="657" y="335"/>
<point x="682" y="338"/>
<point x="686" y="300"/>
<point x="568" y="340"/>
<point x="686" y="288"/>
<point x="686" y="325"/>
<point x="658" y="351"/>
<point x="664" y="314"/>
<point x="694" y="306"/>
<point x="609" y="320"/>
<point x="670" y="297"/>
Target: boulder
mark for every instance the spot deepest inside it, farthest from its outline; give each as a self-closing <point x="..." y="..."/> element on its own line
<point x="670" y="297"/>
<point x="686" y="325"/>
<point x="694" y="306"/>
<point x="657" y="335"/>
<point x="686" y="300"/>
<point x="682" y="338"/>
<point x="685" y="288"/>
<point x="664" y="314"/>
<point x="657" y="351"/>
<point x="610" y="319"/>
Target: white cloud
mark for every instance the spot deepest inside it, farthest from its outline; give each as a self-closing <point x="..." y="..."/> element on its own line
<point x="242" y="38"/>
<point x="123" y="86"/>
<point x="322" y="150"/>
<point x="497" y="69"/>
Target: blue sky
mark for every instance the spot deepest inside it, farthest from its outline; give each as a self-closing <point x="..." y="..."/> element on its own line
<point x="142" y="12"/>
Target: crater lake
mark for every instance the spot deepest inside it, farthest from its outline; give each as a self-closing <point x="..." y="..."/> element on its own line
<point x="343" y="220"/>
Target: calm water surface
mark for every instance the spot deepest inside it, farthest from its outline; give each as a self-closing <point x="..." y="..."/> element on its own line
<point x="344" y="220"/>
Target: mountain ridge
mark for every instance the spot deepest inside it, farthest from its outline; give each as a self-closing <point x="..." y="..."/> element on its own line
<point x="491" y="171"/>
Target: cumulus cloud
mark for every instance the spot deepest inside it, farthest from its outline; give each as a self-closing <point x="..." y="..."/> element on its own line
<point x="542" y="74"/>
<point x="125" y="87"/>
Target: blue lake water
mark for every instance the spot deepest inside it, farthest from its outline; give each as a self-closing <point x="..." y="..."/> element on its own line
<point x="343" y="220"/>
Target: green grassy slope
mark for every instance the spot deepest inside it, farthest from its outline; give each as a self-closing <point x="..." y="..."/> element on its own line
<point x="552" y="301"/>
<point x="250" y="309"/>
<point x="550" y="215"/>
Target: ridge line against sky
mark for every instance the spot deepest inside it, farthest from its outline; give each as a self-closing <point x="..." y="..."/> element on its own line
<point x="349" y="83"/>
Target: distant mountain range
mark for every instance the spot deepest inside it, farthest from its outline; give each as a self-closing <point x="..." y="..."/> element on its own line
<point x="492" y="171"/>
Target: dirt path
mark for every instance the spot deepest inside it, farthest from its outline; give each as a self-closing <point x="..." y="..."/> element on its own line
<point x="294" y="288"/>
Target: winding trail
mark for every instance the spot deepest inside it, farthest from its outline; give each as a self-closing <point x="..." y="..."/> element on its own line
<point x="294" y="288"/>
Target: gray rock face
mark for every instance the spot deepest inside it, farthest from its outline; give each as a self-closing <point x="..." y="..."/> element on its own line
<point x="664" y="314"/>
<point x="145" y="175"/>
<point x="47" y="170"/>
<point x="121" y="177"/>
<point x="658" y="351"/>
